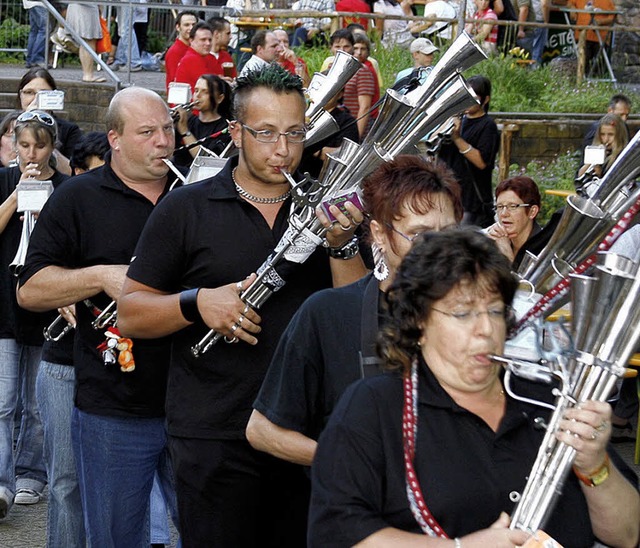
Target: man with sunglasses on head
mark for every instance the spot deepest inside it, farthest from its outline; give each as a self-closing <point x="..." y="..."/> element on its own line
<point x="79" y="251"/>
<point x="194" y="259"/>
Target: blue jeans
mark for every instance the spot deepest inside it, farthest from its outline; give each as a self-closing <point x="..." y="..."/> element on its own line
<point x="163" y="500"/>
<point x="117" y="458"/>
<point x="18" y="368"/>
<point x="125" y="31"/>
<point x="37" y="35"/>
<point x="54" y="391"/>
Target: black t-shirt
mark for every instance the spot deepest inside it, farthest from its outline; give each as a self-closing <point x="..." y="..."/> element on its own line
<point x="205" y="235"/>
<point x="95" y="219"/>
<point x="482" y="134"/>
<point x="15" y="322"/>
<point x="68" y="135"/>
<point x="465" y="470"/>
<point x="317" y="358"/>
<point x="201" y="130"/>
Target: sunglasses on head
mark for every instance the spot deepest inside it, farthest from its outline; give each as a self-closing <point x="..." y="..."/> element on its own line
<point x="40" y="116"/>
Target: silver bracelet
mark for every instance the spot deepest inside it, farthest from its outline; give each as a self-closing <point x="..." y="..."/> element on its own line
<point x="458" y="543"/>
<point x="466" y="152"/>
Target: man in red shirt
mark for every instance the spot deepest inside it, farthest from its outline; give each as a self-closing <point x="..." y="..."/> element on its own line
<point x="288" y="59"/>
<point x="184" y="24"/>
<point x="198" y="59"/>
<point x="221" y="37"/>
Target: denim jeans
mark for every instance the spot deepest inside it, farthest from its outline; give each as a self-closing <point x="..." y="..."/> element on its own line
<point x="25" y="469"/>
<point x="125" y="32"/>
<point x="54" y="391"/>
<point x="117" y="458"/>
<point x="163" y="501"/>
<point x="37" y="35"/>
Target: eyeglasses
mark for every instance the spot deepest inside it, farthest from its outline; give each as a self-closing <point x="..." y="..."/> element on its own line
<point x="405" y="236"/>
<point x="270" y="136"/>
<point x="40" y="116"/>
<point x="495" y="315"/>
<point x="511" y="207"/>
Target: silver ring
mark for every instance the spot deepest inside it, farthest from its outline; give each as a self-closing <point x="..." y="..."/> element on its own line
<point x="230" y="341"/>
<point x="344" y="229"/>
<point x="239" y="286"/>
<point x="246" y="309"/>
<point x="234" y="327"/>
<point x="240" y="320"/>
<point x="594" y="436"/>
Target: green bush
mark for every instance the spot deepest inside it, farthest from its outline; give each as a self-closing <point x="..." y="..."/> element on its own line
<point x="12" y="35"/>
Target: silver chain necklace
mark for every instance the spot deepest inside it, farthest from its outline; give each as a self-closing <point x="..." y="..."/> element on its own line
<point x="258" y="199"/>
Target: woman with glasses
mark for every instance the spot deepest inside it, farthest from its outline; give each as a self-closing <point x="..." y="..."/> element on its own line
<point x="212" y="98"/>
<point x="22" y="480"/>
<point x="330" y="342"/>
<point x="432" y="453"/>
<point x="39" y="79"/>
<point x="516" y="228"/>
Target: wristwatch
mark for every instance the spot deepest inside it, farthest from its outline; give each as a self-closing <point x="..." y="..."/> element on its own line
<point x="346" y="251"/>
<point x="186" y="134"/>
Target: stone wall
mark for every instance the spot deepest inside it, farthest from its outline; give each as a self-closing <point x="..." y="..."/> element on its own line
<point x="626" y="54"/>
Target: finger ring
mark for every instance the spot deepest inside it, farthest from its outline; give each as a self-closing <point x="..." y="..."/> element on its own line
<point x="230" y="341"/>
<point x="246" y="309"/>
<point x="234" y="327"/>
<point x="594" y="435"/>
<point x="239" y="286"/>
<point x="345" y="228"/>
<point x="602" y="426"/>
<point x="240" y="320"/>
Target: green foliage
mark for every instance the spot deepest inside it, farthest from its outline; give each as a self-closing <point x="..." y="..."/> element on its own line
<point x="516" y="87"/>
<point x="13" y="35"/>
<point x="558" y="175"/>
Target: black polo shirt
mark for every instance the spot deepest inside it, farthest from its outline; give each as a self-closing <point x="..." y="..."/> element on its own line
<point x="205" y="235"/>
<point x="465" y="469"/>
<point x="15" y="322"/>
<point x="95" y="219"/>
<point x="317" y="358"/>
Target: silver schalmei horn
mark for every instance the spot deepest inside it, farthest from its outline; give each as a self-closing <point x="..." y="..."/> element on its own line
<point x="402" y="122"/>
<point x="586" y="222"/>
<point x="604" y="339"/>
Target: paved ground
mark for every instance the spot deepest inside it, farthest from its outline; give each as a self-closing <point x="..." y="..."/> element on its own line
<point x="152" y="80"/>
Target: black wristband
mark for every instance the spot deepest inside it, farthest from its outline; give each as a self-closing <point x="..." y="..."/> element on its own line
<point x="189" y="305"/>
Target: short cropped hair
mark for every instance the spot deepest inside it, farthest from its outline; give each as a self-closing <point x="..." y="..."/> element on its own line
<point x="341" y="33"/>
<point x="183" y="13"/>
<point x="619" y="98"/>
<point x="199" y="26"/>
<point x="217" y="24"/>
<point x="412" y="181"/>
<point x="525" y="187"/>
<point x="259" y="39"/>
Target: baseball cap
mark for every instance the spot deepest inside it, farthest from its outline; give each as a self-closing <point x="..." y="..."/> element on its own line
<point x="423" y="45"/>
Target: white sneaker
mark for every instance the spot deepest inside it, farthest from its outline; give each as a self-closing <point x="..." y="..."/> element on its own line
<point x="27" y="496"/>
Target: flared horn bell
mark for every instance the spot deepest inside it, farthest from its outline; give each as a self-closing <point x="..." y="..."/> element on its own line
<point x="463" y="53"/>
<point x="324" y="87"/>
